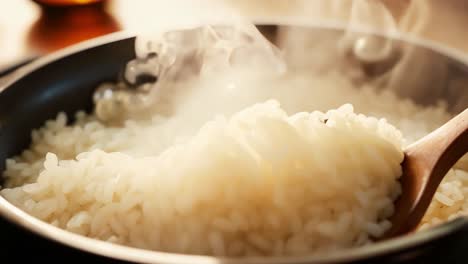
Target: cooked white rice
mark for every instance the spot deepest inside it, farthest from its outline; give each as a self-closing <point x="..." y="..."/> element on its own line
<point x="259" y="183"/>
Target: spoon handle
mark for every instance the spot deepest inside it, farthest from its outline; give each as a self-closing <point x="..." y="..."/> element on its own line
<point x="426" y="163"/>
<point x="442" y="148"/>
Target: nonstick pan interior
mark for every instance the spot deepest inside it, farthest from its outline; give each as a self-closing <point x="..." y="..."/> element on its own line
<point x="66" y="85"/>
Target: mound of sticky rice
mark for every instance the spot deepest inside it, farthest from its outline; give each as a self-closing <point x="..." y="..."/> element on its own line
<point x="259" y="182"/>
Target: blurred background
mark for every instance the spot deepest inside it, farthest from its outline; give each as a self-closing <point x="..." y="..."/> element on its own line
<point x="31" y="28"/>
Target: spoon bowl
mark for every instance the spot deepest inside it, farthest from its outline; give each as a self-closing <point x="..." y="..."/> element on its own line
<point x="426" y="163"/>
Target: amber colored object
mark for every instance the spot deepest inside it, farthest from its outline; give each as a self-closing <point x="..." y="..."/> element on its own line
<point x="59" y="27"/>
<point x="66" y="2"/>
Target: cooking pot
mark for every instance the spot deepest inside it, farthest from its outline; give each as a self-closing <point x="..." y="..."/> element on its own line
<point x="419" y="70"/>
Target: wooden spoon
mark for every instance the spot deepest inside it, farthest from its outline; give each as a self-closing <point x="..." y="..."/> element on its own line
<point x="426" y="163"/>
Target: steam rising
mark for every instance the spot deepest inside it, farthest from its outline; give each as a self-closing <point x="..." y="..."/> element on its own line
<point x="186" y="77"/>
<point x="179" y="61"/>
<point x="173" y="64"/>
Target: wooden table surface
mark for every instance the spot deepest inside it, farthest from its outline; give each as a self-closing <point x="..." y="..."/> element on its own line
<point x="26" y="30"/>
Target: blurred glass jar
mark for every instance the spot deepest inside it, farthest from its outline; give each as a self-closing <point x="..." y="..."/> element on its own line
<point x="64" y="25"/>
<point x="66" y="2"/>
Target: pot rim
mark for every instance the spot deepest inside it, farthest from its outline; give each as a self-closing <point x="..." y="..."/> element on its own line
<point x="21" y="218"/>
